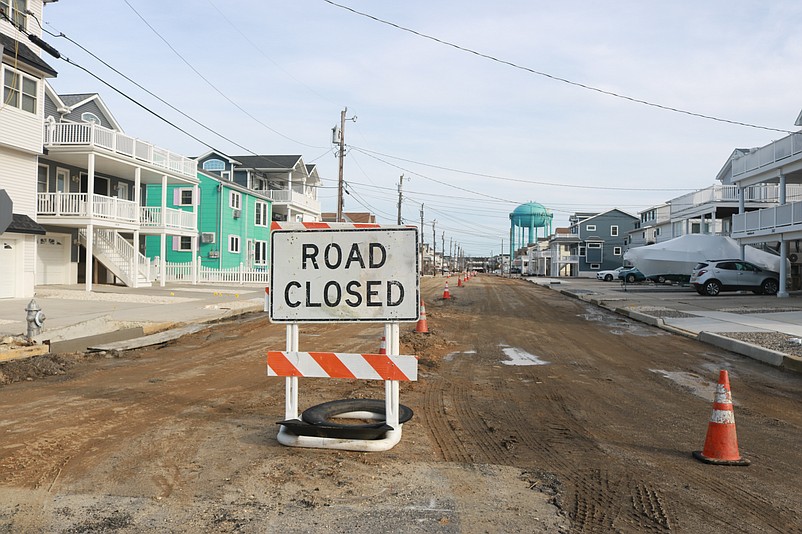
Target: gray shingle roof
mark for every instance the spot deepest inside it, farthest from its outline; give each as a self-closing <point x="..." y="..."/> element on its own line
<point x="13" y="49"/>
<point x="72" y="99"/>
<point x="273" y="162"/>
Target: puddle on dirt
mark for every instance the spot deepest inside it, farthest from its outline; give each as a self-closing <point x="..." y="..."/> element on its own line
<point x="450" y="356"/>
<point x="695" y="384"/>
<point x="520" y="357"/>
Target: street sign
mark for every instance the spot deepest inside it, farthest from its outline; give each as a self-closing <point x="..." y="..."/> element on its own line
<point x="323" y="272"/>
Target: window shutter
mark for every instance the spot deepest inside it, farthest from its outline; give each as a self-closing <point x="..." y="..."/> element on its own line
<point x="176" y="242"/>
<point x="176" y="197"/>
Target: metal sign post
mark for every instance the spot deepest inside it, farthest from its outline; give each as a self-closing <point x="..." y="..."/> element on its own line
<point x="342" y="272"/>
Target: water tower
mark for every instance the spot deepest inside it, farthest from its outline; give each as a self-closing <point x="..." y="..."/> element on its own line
<point x="529" y="216"/>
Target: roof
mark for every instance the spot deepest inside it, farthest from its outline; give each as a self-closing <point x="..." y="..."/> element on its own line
<point x="606" y="213"/>
<point x="75" y="98"/>
<point x="22" y="224"/>
<point x="359" y="217"/>
<point x="265" y="162"/>
<point x="18" y="49"/>
<point x="233" y="185"/>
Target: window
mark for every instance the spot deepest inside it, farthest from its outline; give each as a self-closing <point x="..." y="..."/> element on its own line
<point x="182" y="243"/>
<point x="233" y="244"/>
<point x="581" y="251"/>
<point x="211" y="164"/>
<point x="226" y="175"/>
<point x="616" y="251"/>
<point x="261" y="214"/>
<point x="88" y="116"/>
<point x="122" y="190"/>
<point x="591" y="228"/>
<point x="595" y="266"/>
<point x="260" y="253"/>
<point x="182" y="197"/>
<point x="42" y="179"/>
<point x="15" y="10"/>
<point x="614" y="230"/>
<point x="235" y="200"/>
<point x="19" y="90"/>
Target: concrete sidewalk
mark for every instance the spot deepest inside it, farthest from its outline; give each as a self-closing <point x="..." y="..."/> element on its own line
<point x="77" y="319"/>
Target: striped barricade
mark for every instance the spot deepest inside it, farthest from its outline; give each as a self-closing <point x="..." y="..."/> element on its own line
<point x="342" y="365"/>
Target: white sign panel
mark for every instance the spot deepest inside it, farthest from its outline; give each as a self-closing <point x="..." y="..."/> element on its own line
<point x="342" y="273"/>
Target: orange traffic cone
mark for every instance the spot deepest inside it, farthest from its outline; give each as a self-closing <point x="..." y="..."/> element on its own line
<point x="459" y="281"/>
<point x="422" y="327"/>
<point x="383" y="346"/>
<point x="446" y="294"/>
<point x="721" y="444"/>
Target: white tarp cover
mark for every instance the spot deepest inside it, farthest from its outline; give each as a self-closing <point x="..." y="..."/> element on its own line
<point x="678" y="256"/>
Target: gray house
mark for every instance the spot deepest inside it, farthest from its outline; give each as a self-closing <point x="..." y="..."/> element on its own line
<point x="601" y="238"/>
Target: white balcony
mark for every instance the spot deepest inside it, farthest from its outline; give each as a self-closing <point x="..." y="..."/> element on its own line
<point x="292" y="198"/>
<point x="765" y="222"/>
<point x="67" y="134"/>
<point x="701" y="201"/>
<point x="778" y="151"/>
<point x="75" y="209"/>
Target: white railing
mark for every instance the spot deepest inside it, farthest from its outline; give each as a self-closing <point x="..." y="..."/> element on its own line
<point x="182" y="272"/>
<point x="76" y="205"/>
<point x="153" y="217"/>
<point x="767" y="155"/>
<point x="729" y="193"/>
<point x="768" y="219"/>
<point x="75" y="134"/>
<point x="127" y="262"/>
<point x="287" y="196"/>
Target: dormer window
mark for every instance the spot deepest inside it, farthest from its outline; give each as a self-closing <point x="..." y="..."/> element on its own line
<point x="90" y="117"/>
<point x="215" y="165"/>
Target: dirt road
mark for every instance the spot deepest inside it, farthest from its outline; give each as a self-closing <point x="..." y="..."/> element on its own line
<point x="534" y="412"/>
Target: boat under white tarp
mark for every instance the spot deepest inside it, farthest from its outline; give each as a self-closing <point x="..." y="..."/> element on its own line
<point x="677" y="257"/>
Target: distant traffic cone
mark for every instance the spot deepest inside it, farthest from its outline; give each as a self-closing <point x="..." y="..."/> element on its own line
<point x="721" y="443"/>
<point x="459" y="281"/>
<point x="422" y="327"/>
<point x="446" y="294"/>
<point x="383" y="346"/>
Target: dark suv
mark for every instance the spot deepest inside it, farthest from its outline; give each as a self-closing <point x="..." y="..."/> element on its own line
<point x="711" y="277"/>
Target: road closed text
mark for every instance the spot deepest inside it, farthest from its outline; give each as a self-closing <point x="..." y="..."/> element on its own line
<point x="368" y="275"/>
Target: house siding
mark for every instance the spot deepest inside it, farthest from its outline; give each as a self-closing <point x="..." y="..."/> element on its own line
<point x="20" y="129"/>
<point x="89" y="107"/>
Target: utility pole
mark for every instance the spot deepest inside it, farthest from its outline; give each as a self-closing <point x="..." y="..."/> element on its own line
<point x="338" y="137"/>
<point x="421" y="239"/>
<point x="501" y="256"/>
<point x="434" y="247"/>
<point x="400" y="197"/>
<point x="443" y="247"/>
<point x="451" y="251"/>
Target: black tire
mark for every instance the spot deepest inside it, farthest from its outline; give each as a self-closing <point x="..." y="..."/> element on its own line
<point x="661" y="279"/>
<point x="770" y="286"/>
<point x="608" y="277"/>
<point x="712" y="288"/>
<point x="631" y="278"/>
<point x="700" y="290"/>
<point x="323" y="413"/>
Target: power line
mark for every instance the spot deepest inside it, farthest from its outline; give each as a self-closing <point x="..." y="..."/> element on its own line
<point x="210" y="84"/>
<point x="553" y="77"/>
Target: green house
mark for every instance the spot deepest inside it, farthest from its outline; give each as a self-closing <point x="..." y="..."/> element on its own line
<point x="233" y="224"/>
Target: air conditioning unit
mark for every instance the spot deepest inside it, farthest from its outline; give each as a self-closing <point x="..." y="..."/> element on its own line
<point x="236" y="213"/>
<point x="207" y="237"/>
<point x="214" y="254"/>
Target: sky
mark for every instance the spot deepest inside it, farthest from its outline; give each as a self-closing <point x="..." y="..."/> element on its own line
<point x="480" y="105"/>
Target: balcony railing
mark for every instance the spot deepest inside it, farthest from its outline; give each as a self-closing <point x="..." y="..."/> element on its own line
<point x="767" y="220"/>
<point x="112" y="209"/>
<point x="151" y="217"/>
<point x="94" y="135"/>
<point x="729" y="193"/>
<point x="287" y="196"/>
<point x="768" y="155"/>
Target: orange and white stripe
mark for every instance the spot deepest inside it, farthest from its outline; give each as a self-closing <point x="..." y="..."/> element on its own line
<point x="342" y="365"/>
<point x="722" y="406"/>
<point x="276" y="225"/>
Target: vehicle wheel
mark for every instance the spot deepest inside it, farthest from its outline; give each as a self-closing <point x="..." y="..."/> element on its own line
<point x="700" y="290"/>
<point x="608" y="277"/>
<point x="770" y="287"/>
<point x="322" y="413"/>
<point x="712" y="288"/>
<point x="661" y="279"/>
<point x="631" y="278"/>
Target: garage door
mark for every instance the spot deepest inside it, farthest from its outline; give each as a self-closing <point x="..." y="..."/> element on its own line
<point x="52" y="261"/>
<point x="8" y="259"/>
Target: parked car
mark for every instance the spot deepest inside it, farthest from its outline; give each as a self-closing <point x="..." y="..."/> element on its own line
<point x="609" y="274"/>
<point x="711" y="277"/>
<point x="631" y="275"/>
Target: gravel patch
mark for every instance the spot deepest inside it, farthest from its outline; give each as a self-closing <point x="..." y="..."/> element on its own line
<point x="769" y="340"/>
<point x="663" y="312"/>
<point x="750" y="310"/>
<point x="108" y="297"/>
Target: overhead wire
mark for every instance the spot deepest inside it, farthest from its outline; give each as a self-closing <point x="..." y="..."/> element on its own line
<point x="551" y="76"/>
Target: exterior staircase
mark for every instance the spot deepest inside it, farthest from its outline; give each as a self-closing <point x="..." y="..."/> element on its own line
<point x="120" y="257"/>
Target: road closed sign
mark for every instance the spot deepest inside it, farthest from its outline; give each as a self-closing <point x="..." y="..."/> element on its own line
<point x="322" y="272"/>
